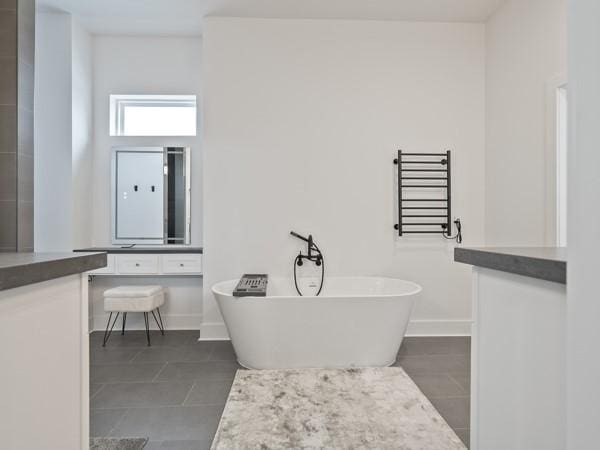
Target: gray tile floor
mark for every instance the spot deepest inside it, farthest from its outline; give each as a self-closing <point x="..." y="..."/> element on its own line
<point x="441" y="367"/>
<point x="174" y="392"/>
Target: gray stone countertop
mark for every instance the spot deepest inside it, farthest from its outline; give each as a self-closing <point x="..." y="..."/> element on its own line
<point x="545" y="263"/>
<point x="21" y="269"/>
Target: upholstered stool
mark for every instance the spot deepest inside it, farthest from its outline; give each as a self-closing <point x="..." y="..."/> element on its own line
<point x="127" y="299"/>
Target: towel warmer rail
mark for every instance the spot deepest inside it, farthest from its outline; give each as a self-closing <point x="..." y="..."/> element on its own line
<point x="425" y="171"/>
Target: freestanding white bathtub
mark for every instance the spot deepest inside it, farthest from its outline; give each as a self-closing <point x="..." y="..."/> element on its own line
<point x="355" y="322"/>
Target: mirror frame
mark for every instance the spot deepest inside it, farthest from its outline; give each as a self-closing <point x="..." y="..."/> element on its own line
<point x="188" y="193"/>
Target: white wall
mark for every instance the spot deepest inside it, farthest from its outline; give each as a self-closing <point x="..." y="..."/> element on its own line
<point x="583" y="307"/>
<point x="145" y="65"/>
<point x="302" y="122"/>
<point x="142" y="65"/>
<point x="63" y="109"/>
<point x="82" y="135"/>
<point x="53" y="193"/>
<point x="525" y="49"/>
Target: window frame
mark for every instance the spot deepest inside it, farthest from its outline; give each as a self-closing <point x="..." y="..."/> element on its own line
<point x="555" y="87"/>
<point x="119" y="102"/>
<point x="561" y="164"/>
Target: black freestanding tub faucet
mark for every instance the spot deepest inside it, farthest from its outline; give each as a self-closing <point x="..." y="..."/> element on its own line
<point x="313" y="254"/>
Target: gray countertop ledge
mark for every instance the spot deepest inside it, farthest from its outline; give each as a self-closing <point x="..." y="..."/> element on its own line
<point x="544" y="263"/>
<point x="142" y="250"/>
<point x="22" y="269"/>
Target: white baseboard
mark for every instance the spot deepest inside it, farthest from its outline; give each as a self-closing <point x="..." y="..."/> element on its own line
<point x="216" y="331"/>
<point x="135" y="321"/>
<point x="439" y="328"/>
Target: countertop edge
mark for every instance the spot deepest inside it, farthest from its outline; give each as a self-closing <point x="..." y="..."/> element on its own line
<point x="534" y="267"/>
<point x="26" y="273"/>
<point x="142" y="250"/>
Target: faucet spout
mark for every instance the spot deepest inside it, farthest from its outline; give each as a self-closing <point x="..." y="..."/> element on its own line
<point x="296" y="235"/>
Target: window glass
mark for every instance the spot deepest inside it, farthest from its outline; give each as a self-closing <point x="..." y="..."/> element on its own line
<point x="153" y="115"/>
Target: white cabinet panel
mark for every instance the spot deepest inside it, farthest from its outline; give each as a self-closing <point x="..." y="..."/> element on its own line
<point x="518" y="362"/>
<point x="137" y="264"/>
<point x="181" y="263"/>
<point x="35" y="321"/>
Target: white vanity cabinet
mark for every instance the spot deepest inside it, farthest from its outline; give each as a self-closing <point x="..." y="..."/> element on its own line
<point x="181" y="264"/>
<point x="152" y="264"/>
<point x="137" y="264"/>
<point x="177" y="269"/>
<point x="44" y="350"/>
<point x="518" y="356"/>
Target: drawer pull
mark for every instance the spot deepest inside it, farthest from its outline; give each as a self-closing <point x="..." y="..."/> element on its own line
<point x="181" y="265"/>
<point x="137" y="264"/>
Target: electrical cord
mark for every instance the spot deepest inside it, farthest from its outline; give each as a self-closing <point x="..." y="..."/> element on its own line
<point x="458" y="236"/>
<point x="322" y="264"/>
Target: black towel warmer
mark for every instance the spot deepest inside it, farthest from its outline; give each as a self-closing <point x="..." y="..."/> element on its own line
<point x="425" y="171"/>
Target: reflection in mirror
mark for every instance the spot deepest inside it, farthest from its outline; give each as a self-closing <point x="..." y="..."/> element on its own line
<point x="151" y="195"/>
<point x="175" y="204"/>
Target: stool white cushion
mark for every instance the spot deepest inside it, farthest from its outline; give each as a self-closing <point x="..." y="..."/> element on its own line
<point x="133" y="298"/>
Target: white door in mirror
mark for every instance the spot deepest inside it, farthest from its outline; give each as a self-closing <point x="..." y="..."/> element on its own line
<point x="140" y="199"/>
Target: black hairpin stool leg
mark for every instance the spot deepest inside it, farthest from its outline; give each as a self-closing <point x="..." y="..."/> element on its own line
<point x="160" y="327"/>
<point x="108" y="332"/>
<point x="124" y="319"/>
<point x="147" y="327"/>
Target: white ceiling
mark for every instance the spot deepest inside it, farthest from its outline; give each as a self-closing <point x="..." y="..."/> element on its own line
<point x="184" y="17"/>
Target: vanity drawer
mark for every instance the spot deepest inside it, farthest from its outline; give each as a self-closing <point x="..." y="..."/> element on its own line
<point x="137" y="264"/>
<point x="109" y="269"/>
<point x="182" y="263"/>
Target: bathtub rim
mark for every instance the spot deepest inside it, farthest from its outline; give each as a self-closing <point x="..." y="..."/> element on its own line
<point x="216" y="289"/>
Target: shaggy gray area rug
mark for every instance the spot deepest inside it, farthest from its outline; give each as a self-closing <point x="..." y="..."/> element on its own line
<point x="371" y="408"/>
<point x="118" y="443"/>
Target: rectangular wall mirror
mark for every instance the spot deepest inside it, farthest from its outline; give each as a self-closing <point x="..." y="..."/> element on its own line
<point x="151" y="195"/>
